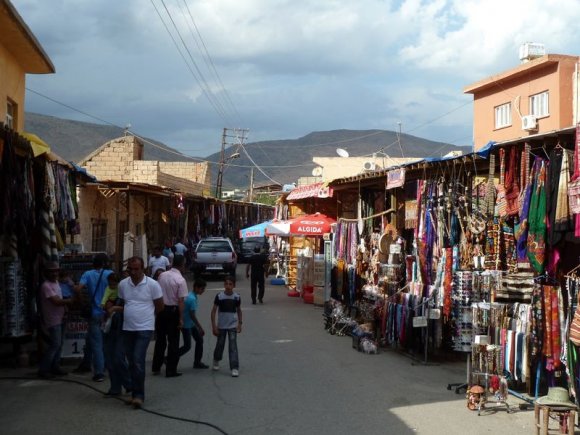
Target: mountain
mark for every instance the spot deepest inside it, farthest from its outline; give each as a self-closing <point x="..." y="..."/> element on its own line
<point x="74" y="140"/>
<point x="282" y="160"/>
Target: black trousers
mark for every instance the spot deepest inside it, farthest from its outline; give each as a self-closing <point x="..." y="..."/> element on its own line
<point x="257" y="283"/>
<point x="167" y="336"/>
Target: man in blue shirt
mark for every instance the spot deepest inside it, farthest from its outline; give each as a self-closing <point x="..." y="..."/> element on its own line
<point x="191" y="325"/>
<point x="94" y="282"/>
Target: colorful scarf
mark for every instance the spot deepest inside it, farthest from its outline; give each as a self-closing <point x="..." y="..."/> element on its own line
<point x="537" y="218"/>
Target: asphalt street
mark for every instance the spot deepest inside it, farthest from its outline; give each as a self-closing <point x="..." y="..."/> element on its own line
<point x="295" y="378"/>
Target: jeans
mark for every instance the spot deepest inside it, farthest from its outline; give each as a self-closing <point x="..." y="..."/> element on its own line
<point x="257" y="280"/>
<point x="167" y="335"/>
<point x="136" y="344"/>
<point x="232" y="347"/>
<point x="116" y="362"/>
<point x="50" y="361"/>
<point x="95" y="338"/>
<point x="196" y="334"/>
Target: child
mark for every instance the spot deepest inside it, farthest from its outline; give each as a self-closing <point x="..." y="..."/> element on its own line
<point x="114" y="352"/>
<point x="192" y="327"/>
<point x="229" y="322"/>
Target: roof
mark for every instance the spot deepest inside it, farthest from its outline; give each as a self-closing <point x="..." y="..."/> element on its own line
<point x="520" y="70"/>
<point x="19" y="40"/>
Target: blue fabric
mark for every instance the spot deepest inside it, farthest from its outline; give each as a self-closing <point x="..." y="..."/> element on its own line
<point x="116" y="362"/>
<point x="136" y="344"/>
<point x="95" y="335"/>
<point x="51" y="359"/>
<point x="190" y="305"/>
<point x="90" y="279"/>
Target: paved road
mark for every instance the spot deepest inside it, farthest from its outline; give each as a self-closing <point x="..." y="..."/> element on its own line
<point x="295" y="378"/>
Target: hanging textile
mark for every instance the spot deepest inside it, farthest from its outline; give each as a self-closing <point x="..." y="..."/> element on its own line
<point x="537" y="218"/>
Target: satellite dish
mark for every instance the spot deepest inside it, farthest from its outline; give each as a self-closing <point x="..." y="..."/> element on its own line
<point x="317" y="171"/>
<point x="342" y="152"/>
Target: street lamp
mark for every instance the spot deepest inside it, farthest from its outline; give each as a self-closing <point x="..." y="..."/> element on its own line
<point x="220" y="177"/>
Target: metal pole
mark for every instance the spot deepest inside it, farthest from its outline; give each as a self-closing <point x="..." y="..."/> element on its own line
<point x="251" y="194"/>
<point x="218" y="186"/>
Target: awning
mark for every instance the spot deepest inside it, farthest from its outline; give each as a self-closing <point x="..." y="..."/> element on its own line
<point x="315" y="224"/>
<point x="258" y="230"/>
<point x="316" y="190"/>
<point x="278" y="228"/>
<point x="38" y="145"/>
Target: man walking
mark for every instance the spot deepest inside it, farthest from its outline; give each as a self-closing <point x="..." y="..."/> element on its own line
<point x="169" y="321"/>
<point x="142" y="299"/>
<point x="94" y="282"/>
<point x="257" y="266"/>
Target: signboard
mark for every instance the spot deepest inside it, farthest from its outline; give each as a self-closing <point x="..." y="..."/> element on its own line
<point x="420" y="322"/>
<point x="395" y="178"/>
<point x="75" y="330"/>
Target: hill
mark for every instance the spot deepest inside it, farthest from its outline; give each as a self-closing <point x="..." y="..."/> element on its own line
<point x="282" y="160"/>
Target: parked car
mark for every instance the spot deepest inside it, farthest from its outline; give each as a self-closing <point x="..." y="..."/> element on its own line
<point x="248" y="245"/>
<point x="214" y="255"/>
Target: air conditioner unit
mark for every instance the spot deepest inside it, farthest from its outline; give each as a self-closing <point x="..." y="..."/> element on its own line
<point x="529" y="123"/>
<point x="369" y="166"/>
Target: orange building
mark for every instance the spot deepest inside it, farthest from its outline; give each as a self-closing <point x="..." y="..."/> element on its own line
<point x="20" y="54"/>
<point x="537" y="99"/>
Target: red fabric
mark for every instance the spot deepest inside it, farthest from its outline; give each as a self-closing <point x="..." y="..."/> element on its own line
<point x="447" y="279"/>
<point x="311" y="225"/>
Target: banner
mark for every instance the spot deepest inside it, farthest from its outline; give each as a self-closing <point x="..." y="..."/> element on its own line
<point x="75" y="330"/>
<point x="395" y="178"/>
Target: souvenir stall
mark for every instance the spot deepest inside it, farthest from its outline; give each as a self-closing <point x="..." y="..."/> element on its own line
<point x="38" y="211"/>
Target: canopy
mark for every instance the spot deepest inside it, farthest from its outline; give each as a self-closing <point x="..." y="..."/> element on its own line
<point x="258" y="230"/>
<point x="38" y="145"/>
<point x="278" y="228"/>
<point x="315" y="224"/>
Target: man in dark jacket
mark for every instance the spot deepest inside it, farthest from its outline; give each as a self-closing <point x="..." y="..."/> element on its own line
<point x="258" y="266"/>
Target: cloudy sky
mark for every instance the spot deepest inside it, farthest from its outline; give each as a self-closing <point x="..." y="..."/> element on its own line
<point x="282" y="68"/>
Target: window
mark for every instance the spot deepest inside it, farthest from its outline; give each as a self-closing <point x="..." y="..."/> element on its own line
<point x="10" y="120"/>
<point x="503" y="115"/>
<point x="99" y="243"/>
<point x="539" y="105"/>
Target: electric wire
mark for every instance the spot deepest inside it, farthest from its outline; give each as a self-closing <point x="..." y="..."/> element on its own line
<point x="210" y="63"/>
<point x="149" y="411"/>
<point x="207" y="93"/>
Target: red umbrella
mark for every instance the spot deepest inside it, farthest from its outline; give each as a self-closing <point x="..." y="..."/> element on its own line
<point x="315" y="224"/>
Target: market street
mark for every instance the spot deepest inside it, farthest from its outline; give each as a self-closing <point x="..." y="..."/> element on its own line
<point x="295" y="378"/>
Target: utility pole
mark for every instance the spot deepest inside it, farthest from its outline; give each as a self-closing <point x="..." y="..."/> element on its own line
<point x="240" y="140"/>
<point x="218" y="185"/>
<point x="251" y="194"/>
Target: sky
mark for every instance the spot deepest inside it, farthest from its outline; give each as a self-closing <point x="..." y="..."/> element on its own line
<point x="282" y="68"/>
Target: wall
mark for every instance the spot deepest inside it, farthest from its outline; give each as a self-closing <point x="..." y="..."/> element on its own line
<point x="553" y="73"/>
<point x="115" y="161"/>
<point x="12" y="85"/>
<point x="339" y="167"/>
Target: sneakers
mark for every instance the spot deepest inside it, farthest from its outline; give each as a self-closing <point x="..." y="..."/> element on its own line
<point x="235" y="373"/>
<point x="216" y="365"/>
<point x="137" y="403"/>
<point x="98" y="378"/>
<point x="200" y="366"/>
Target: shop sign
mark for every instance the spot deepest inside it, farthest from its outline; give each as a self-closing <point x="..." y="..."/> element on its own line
<point x="75" y="331"/>
<point x="395" y="178"/>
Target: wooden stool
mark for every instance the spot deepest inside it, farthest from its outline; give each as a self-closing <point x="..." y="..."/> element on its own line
<point x="558" y="411"/>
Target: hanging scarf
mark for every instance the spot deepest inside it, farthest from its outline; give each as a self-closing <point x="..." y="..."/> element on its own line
<point x="537" y="219"/>
<point x="562" y="216"/>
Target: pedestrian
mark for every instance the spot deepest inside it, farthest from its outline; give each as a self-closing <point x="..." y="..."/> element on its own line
<point x="94" y="282"/>
<point x="180" y="249"/>
<point x="169" y="321"/>
<point x="227" y="305"/>
<point x="157" y="261"/>
<point x="115" y="358"/>
<point x="168" y="251"/>
<point x="258" y="266"/>
<point x="53" y="308"/>
<point x="141" y="298"/>
<point x="192" y="327"/>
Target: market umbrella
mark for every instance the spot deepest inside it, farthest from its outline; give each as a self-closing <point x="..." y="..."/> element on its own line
<point x="278" y="228"/>
<point x="258" y="230"/>
<point x="315" y="224"/>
